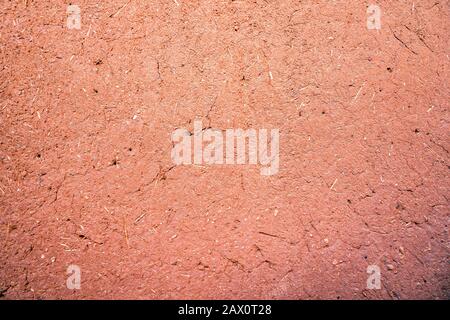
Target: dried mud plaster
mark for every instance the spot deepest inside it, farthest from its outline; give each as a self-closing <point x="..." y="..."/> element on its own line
<point x="86" y="176"/>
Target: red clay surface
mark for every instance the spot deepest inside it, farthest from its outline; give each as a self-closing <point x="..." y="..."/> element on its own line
<point x="86" y="175"/>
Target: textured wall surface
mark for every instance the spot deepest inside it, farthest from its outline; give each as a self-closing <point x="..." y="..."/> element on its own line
<point x="87" y="179"/>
